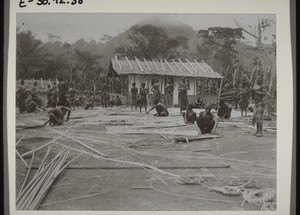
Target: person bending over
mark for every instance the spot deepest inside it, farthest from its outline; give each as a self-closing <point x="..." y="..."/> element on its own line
<point x="207" y="121"/>
<point x="56" y="115"/>
<point x="161" y="110"/>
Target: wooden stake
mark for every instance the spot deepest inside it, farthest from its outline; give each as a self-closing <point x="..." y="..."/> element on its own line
<point x="219" y="94"/>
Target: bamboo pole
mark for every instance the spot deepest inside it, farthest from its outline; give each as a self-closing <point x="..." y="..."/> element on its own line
<point x="24" y="182"/>
<point x="43" y="146"/>
<point x="219" y="94"/>
<point x="49" y="182"/>
<point x="21" y="158"/>
<point x="84" y="145"/>
<point x="38" y="176"/>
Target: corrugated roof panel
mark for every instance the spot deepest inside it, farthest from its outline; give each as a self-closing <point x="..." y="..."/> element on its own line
<point x="163" y="67"/>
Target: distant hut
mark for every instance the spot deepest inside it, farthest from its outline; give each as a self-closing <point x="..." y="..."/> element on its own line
<point x="126" y="71"/>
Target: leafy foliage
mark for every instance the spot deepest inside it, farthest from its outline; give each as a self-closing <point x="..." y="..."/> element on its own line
<point x="219" y="43"/>
<point x="149" y="42"/>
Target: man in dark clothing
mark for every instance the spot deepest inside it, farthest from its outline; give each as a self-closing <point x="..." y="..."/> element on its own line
<point x="54" y="91"/>
<point x="134" y="92"/>
<point x="169" y="91"/>
<point x="49" y="96"/>
<point x="62" y="91"/>
<point x="224" y="111"/>
<point x="22" y="95"/>
<point x="156" y="92"/>
<point x="182" y="95"/>
<point x="161" y="110"/>
<point x="143" y="97"/>
<point x="56" y="115"/>
<point x="105" y="94"/>
<point x="207" y="121"/>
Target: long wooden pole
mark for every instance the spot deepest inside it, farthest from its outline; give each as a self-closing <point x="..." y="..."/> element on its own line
<point x="219" y="95"/>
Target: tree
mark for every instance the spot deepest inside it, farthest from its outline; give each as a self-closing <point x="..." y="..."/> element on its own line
<point x="29" y="54"/>
<point x="150" y="42"/>
<point x="219" y="44"/>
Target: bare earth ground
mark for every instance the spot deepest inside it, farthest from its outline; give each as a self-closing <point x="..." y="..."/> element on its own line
<point x="97" y="184"/>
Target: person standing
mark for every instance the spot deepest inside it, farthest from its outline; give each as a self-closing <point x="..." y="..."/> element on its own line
<point x="34" y="91"/>
<point x="143" y="97"/>
<point x="49" y="96"/>
<point x="258" y="95"/>
<point x="62" y="91"/>
<point x="169" y="91"/>
<point x="21" y="96"/>
<point x="156" y="92"/>
<point x="134" y="92"/>
<point x="244" y="98"/>
<point x="183" y="99"/>
<point x="105" y="94"/>
<point x="54" y="91"/>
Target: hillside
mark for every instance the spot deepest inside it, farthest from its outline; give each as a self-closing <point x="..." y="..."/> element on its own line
<point x="172" y="27"/>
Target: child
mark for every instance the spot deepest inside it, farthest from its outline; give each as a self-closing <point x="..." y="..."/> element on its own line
<point x="56" y="115"/>
<point x="190" y="116"/>
<point x="207" y="121"/>
<point x="161" y="110"/>
<point x="134" y="92"/>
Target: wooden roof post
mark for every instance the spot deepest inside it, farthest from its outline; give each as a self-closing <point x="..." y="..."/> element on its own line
<point x="129" y="64"/>
<point x="137" y="61"/>
<point x="208" y="67"/>
<point x="176" y="65"/>
<point x="199" y="66"/>
<point x="155" y="65"/>
<point x="191" y="66"/>
<point x="169" y="66"/>
<point x="162" y="65"/>
<point x="185" y="66"/>
<point x="116" y="57"/>
<point x="147" y="64"/>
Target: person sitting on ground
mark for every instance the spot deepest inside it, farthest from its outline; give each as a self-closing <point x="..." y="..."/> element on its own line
<point x="111" y="103"/>
<point x="207" y="121"/>
<point x="56" y="115"/>
<point x="88" y="103"/>
<point x="190" y="116"/>
<point x="33" y="106"/>
<point x="161" y="110"/>
<point x="224" y="111"/>
<point x="198" y="103"/>
<point x="118" y="101"/>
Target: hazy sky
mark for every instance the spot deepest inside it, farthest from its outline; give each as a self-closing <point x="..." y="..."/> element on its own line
<point x="71" y="27"/>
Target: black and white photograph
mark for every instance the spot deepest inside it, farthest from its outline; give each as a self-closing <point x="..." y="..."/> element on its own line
<point x="146" y="112"/>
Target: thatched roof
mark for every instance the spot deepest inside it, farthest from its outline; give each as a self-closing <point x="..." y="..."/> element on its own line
<point x="179" y="68"/>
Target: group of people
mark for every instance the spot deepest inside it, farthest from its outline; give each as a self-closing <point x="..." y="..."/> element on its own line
<point x="206" y="120"/>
